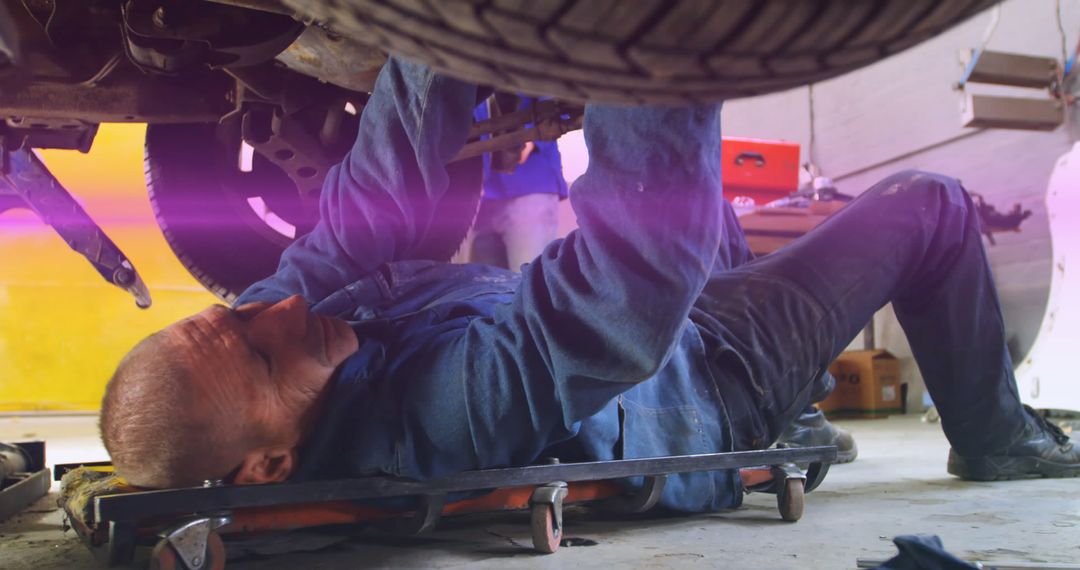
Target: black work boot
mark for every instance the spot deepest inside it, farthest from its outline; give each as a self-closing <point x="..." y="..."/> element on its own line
<point x="1042" y="450"/>
<point x="811" y="429"/>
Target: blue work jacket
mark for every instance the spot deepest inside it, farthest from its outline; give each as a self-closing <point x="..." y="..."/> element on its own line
<point x="588" y="354"/>
<point x="411" y="378"/>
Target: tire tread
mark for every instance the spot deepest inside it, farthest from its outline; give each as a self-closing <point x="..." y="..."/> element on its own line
<point x="647" y="51"/>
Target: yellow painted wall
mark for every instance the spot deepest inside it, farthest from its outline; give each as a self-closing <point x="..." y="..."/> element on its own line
<point x="62" y="328"/>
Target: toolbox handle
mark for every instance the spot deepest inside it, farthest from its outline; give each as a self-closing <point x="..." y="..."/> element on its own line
<point x="759" y="159"/>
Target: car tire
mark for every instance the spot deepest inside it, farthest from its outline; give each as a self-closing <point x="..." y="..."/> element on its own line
<point x="202" y="204"/>
<point x="648" y="51"/>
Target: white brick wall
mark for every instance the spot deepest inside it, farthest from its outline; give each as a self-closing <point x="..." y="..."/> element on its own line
<point x="903" y="112"/>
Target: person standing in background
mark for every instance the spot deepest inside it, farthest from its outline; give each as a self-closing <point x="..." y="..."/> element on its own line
<point x="519" y="212"/>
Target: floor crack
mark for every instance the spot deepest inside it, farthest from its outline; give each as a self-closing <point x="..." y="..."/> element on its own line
<point x="509" y="539"/>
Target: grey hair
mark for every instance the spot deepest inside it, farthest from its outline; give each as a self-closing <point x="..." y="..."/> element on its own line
<point x="154" y="426"/>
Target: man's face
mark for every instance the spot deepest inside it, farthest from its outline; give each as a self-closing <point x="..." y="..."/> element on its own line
<point x="276" y="358"/>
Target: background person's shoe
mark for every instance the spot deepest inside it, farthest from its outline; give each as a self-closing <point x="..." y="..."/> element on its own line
<point x="811" y="429"/>
<point x="1043" y="450"/>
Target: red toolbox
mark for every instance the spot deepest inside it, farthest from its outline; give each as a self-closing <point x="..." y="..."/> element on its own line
<point x="759" y="169"/>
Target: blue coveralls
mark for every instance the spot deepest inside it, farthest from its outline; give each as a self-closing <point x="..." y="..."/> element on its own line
<point x="631" y="337"/>
<point x="541" y="173"/>
<point x="519" y="213"/>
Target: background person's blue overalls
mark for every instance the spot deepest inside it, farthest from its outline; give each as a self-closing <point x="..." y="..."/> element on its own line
<point x="519" y="213"/>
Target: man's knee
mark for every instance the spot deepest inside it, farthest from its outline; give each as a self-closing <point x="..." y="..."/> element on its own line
<point x="919" y="182"/>
<point x="922" y="190"/>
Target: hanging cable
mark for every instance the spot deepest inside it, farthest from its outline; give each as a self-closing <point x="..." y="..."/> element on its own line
<point x="995" y="18"/>
<point x="1062" y="90"/>
<point x="811" y="148"/>
<point x="1066" y="61"/>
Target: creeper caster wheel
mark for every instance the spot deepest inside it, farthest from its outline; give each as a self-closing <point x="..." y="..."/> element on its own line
<point x="191" y="544"/>
<point x="545" y="536"/>
<point x="789" y="484"/>
<point x="165" y="557"/>
<point x="791" y="500"/>
<point x="545" y="514"/>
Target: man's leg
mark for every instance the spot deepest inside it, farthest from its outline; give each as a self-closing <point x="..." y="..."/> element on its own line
<point x="486" y="245"/>
<point x="912" y="239"/>
<point x="810" y="427"/>
<point x="734" y="251"/>
<point x="529" y="223"/>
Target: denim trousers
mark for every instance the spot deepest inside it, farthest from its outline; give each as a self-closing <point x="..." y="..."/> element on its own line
<point x="511" y="232"/>
<point x="912" y="239"/>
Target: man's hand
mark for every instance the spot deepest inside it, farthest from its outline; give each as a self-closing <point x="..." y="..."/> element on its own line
<point x="526" y="151"/>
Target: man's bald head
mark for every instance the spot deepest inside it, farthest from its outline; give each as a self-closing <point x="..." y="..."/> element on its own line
<point x="222" y="392"/>
<point x="160" y="429"/>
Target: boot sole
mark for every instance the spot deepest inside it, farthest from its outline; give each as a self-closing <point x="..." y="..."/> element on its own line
<point x="1004" y="468"/>
<point x="847" y="456"/>
<point x="841" y="456"/>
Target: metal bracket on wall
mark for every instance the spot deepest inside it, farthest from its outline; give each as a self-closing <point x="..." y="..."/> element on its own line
<point x="993" y="112"/>
<point x="1013" y="70"/>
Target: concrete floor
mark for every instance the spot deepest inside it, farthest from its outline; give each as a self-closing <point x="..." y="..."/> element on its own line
<point x="897" y="486"/>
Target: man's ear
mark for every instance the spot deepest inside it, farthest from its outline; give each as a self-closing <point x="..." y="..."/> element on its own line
<point x="266" y="465"/>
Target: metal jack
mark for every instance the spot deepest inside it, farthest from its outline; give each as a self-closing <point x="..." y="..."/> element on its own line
<point x="23" y="175"/>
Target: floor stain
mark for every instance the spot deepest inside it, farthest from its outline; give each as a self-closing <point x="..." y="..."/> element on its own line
<point x="1002" y="554"/>
<point x="981" y="518"/>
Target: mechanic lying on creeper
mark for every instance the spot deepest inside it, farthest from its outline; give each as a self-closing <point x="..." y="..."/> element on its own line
<point x="632" y="337"/>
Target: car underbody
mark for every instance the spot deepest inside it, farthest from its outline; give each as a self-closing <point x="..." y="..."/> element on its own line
<point x="249" y="103"/>
<point x="248" y="76"/>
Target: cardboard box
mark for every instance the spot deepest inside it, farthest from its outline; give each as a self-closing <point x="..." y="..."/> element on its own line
<point x="867" y="385"/>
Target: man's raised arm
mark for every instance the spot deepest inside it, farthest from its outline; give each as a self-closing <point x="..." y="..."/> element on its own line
<point x="380" y="201"/>
<point x="594" y="314"/>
